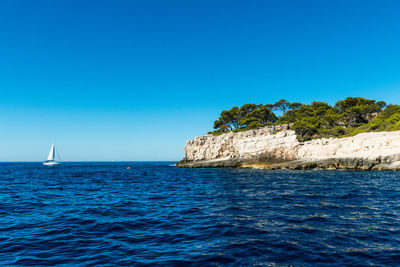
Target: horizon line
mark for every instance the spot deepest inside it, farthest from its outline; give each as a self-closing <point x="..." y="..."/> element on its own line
<point x="93" y="161"/>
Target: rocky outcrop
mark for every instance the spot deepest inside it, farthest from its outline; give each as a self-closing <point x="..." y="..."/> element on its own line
<point x="277" y="148"/>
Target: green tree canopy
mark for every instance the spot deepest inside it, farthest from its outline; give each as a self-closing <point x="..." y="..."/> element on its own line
<point x="318" y="119"/>
<point x="248" y="116"/>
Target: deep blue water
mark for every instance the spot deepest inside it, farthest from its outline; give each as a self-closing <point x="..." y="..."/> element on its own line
<point x="153" y="213"/>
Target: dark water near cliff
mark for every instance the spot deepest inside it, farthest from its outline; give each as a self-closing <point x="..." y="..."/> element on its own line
<point x="105" y="214"/>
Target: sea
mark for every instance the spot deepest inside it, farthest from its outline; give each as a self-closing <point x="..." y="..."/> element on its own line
<point x="155" y="214"/>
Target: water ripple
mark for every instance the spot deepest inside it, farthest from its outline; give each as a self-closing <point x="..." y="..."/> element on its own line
<point x="157" y="214"/>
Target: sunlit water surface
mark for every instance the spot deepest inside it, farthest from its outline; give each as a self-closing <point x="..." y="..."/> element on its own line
<point x="154" y="213"/>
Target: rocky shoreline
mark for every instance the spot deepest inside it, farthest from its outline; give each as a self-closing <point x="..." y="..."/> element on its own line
<point x="278" y="148"/>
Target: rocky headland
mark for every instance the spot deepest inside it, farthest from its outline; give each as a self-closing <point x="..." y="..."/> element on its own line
<point x="278" y="148"/>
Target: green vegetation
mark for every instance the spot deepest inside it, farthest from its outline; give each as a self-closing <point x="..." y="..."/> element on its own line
<point x="319" y="119"/>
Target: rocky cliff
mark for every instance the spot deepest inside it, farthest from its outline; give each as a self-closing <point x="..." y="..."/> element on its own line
<point x="277" y="148"/>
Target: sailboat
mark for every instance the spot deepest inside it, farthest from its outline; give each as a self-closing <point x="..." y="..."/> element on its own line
<point x="51" y="158"/>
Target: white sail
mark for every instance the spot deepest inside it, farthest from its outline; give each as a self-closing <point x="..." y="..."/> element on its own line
<point x="52" y="153"/>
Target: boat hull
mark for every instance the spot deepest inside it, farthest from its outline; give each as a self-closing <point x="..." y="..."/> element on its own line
<point x="51" y="163"/>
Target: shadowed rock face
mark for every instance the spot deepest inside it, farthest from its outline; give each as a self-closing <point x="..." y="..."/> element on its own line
<point x="276" y="148"/>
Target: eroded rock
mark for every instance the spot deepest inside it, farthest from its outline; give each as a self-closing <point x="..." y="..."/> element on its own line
<point x="277" y="147"/>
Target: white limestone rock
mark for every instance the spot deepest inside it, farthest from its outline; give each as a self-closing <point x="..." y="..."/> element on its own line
<point x="279" y="144"/>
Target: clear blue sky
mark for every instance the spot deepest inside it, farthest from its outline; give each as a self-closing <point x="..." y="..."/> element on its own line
<point x="133" y="80"/>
